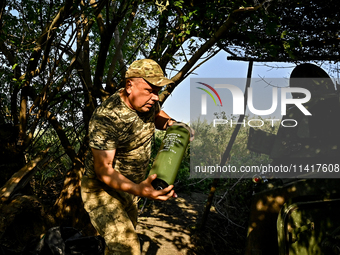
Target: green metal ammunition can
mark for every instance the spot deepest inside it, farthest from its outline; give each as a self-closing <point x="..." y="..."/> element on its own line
<point x="170" y="155"/>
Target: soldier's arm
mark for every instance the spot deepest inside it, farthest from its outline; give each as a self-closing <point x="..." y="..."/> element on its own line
<point x="103" y="160"/>
<point x="162" y="120"/>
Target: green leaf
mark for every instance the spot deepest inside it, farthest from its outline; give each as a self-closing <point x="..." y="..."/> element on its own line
<point x="14" y="66"/>
<point x="179" y="3"/>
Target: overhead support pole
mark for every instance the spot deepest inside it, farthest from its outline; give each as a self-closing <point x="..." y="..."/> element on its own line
<point x="226" y="154"/>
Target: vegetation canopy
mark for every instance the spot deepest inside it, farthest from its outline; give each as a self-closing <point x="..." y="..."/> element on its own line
<point x="61" y="59"/>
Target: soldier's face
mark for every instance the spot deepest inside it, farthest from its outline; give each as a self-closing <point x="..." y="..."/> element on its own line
<point x="141" y="95"/>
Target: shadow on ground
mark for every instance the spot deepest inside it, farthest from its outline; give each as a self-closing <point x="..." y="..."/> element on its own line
<point x="169" y="227"/>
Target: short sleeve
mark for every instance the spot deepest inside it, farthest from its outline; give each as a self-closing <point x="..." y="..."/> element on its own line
<point x="103" y="133"/>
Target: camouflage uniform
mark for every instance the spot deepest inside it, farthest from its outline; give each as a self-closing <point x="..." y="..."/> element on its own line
<point x="115" y="126"/>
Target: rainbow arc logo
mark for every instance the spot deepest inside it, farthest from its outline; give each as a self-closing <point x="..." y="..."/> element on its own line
<point x="209" y="93"/>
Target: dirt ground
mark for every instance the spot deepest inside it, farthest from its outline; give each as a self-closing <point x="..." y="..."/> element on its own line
<point x="169" y="227"/>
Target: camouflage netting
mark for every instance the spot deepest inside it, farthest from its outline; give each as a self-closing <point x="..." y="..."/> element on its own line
<point x="287" y="31"/>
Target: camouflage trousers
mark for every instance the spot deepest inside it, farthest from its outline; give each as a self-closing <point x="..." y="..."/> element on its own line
<point x="113" y="214"/>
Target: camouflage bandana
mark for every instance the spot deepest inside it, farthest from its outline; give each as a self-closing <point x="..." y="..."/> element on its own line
<point x="149" y="70"/>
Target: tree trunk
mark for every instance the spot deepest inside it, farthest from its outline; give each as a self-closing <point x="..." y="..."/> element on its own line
<point x="69" y="207"/>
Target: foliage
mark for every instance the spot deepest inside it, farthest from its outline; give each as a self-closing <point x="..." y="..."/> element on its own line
<point x="288" y="31"/>
<point x="61" y="59"/>
<point x="210" y="143"/>
<point x="233" y="198"/>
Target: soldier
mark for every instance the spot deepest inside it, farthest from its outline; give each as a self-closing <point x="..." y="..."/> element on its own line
<point x="120" y="132"/>
<point x="316" y="138"/>
<point x="314" y="141"/>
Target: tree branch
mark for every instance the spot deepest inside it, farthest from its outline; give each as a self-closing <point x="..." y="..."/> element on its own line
<point x="227" y="25"/>
<point x="119" y="42"/>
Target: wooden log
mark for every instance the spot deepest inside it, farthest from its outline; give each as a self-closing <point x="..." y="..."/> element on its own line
<point x="20" y="178"/>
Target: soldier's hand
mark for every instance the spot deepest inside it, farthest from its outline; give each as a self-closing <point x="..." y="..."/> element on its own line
<point x="146" y="190"/>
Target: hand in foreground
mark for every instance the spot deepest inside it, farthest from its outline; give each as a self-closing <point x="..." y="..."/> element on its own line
<point x="146" y="190"/>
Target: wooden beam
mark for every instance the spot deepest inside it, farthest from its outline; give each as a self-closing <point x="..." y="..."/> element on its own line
<point x="309" y="58"/>
<point x="20" y="178"/>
